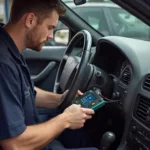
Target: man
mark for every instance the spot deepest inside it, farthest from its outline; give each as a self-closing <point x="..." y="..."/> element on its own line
<point x="31" y="24"/>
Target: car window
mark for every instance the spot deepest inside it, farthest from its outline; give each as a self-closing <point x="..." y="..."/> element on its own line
<point x="127" y="25"/>
<point x="94" y="17"/>
<point x="110" y="19"/>
<point x="2" y="12"/>
<point x="61" y="36"/>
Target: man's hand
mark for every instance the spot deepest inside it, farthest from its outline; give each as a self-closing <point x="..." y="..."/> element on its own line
<point x="79" y="93"/>
<point x="77" y="116"/>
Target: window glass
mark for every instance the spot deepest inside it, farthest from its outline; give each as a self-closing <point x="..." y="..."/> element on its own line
<point x="113" y="20"/>
<point x="61" y="36"/>
<point x="5" y="10"/>
<point x="127" y="25"/>
<point x="94" y="17"/>
<point x="2" y="11"/>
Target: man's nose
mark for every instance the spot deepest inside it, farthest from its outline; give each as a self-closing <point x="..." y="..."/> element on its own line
<point x="50" y="36"/>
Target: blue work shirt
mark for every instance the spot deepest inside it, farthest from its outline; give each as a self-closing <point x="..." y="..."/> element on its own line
<point x="17" y="95"/>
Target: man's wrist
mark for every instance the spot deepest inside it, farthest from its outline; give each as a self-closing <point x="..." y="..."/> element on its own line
<point x="54" y="98"/>
<point x="65" y="118"/>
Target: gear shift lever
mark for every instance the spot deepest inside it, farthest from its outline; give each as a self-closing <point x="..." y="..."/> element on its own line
<point x="107" y="139"/>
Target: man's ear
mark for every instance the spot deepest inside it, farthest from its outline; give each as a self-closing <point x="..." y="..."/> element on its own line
<point x="30" y="20"/>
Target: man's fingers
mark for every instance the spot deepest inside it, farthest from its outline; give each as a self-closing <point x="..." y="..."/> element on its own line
<point x="88" y="117"/>
<point x="79" y="93"/>
<point x="88" y="111"/>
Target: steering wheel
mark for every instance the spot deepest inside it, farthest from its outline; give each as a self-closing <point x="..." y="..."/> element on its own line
<point x="71" y="69"/>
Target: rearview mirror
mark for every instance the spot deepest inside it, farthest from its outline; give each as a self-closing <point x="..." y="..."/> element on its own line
<point x="62" y="36"/>
<point x="79" y="2"/>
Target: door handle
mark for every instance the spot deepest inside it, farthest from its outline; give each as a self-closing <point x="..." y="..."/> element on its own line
<point x="44" y="72"/>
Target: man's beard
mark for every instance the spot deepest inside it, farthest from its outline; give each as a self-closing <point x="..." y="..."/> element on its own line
<point x="38" y="47"/>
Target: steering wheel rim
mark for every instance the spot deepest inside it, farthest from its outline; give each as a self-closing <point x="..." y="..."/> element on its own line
<point x="69" y="64"/>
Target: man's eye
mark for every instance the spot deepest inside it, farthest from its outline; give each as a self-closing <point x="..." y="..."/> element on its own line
<point x="49" y="28"/>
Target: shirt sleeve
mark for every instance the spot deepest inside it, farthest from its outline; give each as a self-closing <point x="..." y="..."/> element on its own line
<point x="11" y="110"/>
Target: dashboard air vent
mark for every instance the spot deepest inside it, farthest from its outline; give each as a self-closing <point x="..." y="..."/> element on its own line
<point x="146" y="84"/>
<point x="142" y="111"/>
<point x="126" y="75"/>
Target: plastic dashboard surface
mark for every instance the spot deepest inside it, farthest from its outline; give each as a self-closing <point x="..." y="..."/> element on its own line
<point x="112" y="54"/>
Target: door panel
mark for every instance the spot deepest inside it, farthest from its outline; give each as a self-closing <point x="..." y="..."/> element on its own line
<point x="45" y="72"/>
<point x="43" y="65"/>
<point x="47" y="53"/>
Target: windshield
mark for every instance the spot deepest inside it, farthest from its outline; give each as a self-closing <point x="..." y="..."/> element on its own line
<point x="108" y="18"/>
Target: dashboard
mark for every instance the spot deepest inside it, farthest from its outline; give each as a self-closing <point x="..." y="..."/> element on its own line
<point x="117" y="66"/>
<point x="127" y="62"/>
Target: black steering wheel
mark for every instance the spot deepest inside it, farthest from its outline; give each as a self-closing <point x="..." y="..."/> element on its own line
<point x="71" y="70"/>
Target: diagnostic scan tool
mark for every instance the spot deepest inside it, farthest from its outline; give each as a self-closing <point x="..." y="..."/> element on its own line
<point x="90" y="100"/>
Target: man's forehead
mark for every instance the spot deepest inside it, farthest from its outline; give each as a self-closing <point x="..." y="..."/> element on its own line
<point x="54" y="14"/>
<point x="53" y="19"/>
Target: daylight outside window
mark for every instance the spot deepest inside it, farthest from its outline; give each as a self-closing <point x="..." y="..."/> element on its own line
<point x="2" y="11"/>
<point x="110" y="19"/>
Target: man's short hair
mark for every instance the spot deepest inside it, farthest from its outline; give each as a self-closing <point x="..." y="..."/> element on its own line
<point x="41" y="8"/>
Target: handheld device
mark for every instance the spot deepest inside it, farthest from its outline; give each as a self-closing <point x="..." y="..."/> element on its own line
<point x="90" y="100"/>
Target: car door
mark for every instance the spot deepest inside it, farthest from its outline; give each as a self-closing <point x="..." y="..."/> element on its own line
<point x="43" y="65"/>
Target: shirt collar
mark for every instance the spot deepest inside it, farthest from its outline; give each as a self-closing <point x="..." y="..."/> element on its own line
<point x="5" y="37"/>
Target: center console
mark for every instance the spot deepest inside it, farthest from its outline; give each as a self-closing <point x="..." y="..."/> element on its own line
<point x="138" y="137"/>
<point x="139" y="130"/>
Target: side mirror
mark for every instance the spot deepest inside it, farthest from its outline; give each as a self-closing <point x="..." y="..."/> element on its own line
<point x="79" y="2"/>
<point x="61" y="37"/>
